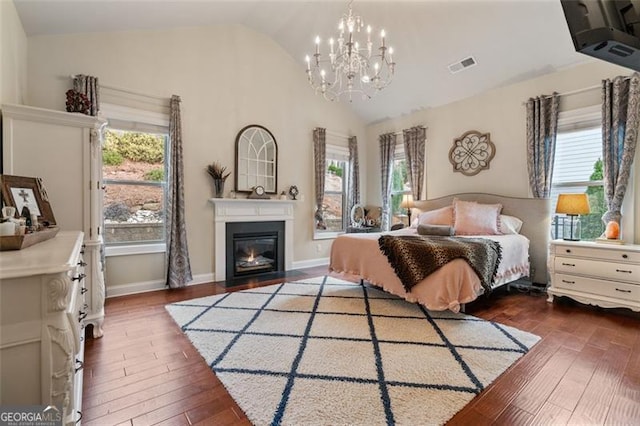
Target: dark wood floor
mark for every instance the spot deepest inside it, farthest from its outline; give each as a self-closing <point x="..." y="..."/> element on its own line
<point x="585" y="370"/>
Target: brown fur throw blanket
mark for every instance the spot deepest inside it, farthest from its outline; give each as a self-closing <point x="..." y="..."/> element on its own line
<point x="414" y="257"/>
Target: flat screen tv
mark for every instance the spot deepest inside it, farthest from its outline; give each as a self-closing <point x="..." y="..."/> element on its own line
<point x="605" y="29"/>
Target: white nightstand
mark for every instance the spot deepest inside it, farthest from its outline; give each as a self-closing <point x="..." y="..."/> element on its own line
<point x="606" y="275"/>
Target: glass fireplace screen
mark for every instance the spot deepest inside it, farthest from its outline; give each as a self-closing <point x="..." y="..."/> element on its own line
<point x="254" y="255"/>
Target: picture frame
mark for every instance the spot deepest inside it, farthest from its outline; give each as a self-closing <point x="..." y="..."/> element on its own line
<point x="21" y="191"/>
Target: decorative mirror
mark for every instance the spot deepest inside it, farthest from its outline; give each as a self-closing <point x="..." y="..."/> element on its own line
<point x="256" y="160"/>
<point x="357" y="215"/>
<point x="471" y="153"/>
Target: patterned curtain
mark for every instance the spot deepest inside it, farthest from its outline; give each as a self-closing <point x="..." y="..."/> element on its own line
<point x="620" y="105"/>
<point x="320" y="165"/>
<point x="387" y="153"/>
<point x="414" y="145"/>
<point x="88" y="86"/>
<point x="542" y="127"/>
<point x="354" y="178"/>
<point x="177" y="255"/>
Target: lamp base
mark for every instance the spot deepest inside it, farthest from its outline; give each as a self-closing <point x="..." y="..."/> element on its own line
<point x="571" y="229"/>
<point x="571" y="239"/>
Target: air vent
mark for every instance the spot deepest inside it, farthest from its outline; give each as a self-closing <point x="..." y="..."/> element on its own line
<point x="463" y="64"/>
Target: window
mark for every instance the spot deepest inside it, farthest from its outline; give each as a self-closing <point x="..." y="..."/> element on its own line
<point x="334" y="204"/>
<point x="578" y="169"/>
<point x="400" y="185"/>
<point x="134" y="172"/>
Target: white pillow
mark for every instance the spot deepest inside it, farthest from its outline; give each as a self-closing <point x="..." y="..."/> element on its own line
<point x="509" y="224"/>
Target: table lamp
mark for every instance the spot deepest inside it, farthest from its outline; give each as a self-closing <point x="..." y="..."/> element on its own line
<point x="407" y="203"/>
<point x="572" y="205"/>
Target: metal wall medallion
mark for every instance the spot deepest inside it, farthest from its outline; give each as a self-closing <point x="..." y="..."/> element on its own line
<point x="471" y="153"/>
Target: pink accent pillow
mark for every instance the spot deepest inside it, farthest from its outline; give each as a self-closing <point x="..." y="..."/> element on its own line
<point x="471" y="218"/>
<point x="442" y="216"/>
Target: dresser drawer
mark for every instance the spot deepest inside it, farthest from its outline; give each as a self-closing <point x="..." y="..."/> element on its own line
<point x="607" y="270"/>
<point x="630" y="292"/>
<point x="602" y="253"/>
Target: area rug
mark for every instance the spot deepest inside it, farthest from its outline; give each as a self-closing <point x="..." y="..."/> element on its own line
<point x="330" y="352"/>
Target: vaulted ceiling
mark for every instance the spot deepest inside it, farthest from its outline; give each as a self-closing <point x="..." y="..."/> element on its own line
<point x="511" y="40"/>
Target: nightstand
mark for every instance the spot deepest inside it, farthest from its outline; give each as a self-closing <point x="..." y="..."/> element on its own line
<point x="606" y="275"/>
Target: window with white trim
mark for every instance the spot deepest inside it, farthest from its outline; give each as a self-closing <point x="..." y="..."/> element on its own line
<point x="578" y="169"/>
<point x="334" y="204"/>
<point x="400" y="185"/>
<point x="135" y="160"/>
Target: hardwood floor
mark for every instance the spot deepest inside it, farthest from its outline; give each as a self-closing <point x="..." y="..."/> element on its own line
<point x="585" y="370"/>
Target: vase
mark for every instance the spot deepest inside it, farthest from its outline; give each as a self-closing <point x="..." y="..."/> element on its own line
<point x="218" y="188"/>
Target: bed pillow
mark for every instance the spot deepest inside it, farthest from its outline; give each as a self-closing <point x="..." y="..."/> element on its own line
<point x="471" y="218"/>
<point x="442" y="216"/>
<point x="440" y="230"/>
<point x="509" y="225"/>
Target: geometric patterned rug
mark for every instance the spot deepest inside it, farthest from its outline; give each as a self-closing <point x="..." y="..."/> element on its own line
<point x="327" y="351"/>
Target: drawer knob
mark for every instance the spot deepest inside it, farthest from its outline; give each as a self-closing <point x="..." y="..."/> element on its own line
<point x="568" y="282"/>
<point x="624" y="271"/>
<point x="568" y="264"/>
<point x="568" y="250"/>
<point x="82" y="315"/>
<point x="623" y="291"/>
<point x="83" y="290"/>
<point x="625" y="256"/>
<point x="79" y="277"/>
<point x="82" y="263"/>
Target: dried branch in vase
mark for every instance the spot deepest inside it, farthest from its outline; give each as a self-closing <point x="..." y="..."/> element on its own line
<point x="217" y="171"/>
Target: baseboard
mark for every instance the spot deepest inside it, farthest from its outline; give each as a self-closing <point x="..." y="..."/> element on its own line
<point x="311" y="263"/>
<point x="146" y="286"/>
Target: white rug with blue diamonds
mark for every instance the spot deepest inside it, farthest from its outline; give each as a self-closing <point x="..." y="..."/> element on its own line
<point x="329" y="352"/>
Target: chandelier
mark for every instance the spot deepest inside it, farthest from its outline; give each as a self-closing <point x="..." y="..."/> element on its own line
<point x="352" y="68"/>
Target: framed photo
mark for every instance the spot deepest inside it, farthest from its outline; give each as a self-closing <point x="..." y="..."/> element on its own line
<point x="21" y="191"/>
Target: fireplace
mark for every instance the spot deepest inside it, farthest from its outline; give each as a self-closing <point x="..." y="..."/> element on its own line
<point x="229" y="211"/>
<point x="254" y="248"/>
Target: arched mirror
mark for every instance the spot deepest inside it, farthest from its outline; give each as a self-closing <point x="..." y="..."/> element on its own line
<point x="256" y="160"/>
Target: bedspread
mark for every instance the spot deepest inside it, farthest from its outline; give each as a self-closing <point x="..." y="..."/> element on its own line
<point x="447" y="288"/>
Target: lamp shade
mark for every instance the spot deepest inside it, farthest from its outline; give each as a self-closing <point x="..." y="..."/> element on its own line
<point x="407" y="201"/>
<point x="573" y="204"/>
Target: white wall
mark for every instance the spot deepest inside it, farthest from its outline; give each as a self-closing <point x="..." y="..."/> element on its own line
<point x="501" y="112"/>
<point x="13" y="55"/>
<point x="227" y="77"/>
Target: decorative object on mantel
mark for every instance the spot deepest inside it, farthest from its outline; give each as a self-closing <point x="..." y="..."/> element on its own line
<point x="352" y="67"/>
<point x="77" y="102"/>
<point x="293" y="191"/>
<point x="217" y="173"/>
<point x="283" y="195"/>
<point x="472" y="152"/>
<point x="258" y="193"/>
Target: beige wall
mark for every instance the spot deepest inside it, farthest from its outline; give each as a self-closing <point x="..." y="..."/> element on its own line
<point x="228" y="77"/>
<point x="500" y="112"/>
<point x="13" y="55"/>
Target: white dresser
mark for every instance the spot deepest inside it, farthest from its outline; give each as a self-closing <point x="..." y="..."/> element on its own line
<point x="41" y="325"/>
<point x="57" y="146"/>
<point x="606" y="275"/>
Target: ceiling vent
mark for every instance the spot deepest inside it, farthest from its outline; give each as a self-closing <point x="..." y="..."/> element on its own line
<point x="461" y="65"/>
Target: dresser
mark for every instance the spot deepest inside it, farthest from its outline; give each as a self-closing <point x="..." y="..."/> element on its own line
<point x="42" y="311"/>
<point x="64" y="149"/>
<point x="606" y="275"/>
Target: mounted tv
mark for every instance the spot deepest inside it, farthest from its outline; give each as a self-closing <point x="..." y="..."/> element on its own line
<point x="605" y="29"/>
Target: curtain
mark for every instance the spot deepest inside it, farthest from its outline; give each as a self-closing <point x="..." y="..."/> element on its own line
<point x="320" y="165"/>
<point x="620" y="105"/>
<point x="177" y="255"/>
<point x="414" y="144"/>
<point x="354" y="171"/>
<point x="387" y="152"/>
<point x="542" y="127"/>
<point x="88" y="86"/>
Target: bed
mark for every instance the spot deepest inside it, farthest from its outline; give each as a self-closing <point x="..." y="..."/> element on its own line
<point x="456" y="283"/>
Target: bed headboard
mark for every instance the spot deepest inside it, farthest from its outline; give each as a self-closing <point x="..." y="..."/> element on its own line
<point x="534" y="212"/>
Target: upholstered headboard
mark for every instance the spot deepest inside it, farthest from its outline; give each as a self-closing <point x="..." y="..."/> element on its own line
<point x="534" y="212"/>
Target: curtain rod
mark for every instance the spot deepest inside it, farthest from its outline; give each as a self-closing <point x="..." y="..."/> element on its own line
<point x="128" y="91"/>
<point x="577" y="91"/>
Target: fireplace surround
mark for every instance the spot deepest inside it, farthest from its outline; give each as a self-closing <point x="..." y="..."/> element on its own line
<point x="231" y="210"/>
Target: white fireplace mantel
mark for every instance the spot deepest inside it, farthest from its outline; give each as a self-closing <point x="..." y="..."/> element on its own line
<point x="248" y="210"/>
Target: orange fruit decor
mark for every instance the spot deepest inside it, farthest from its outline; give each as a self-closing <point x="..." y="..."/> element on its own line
<point x="612" y="231"/>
